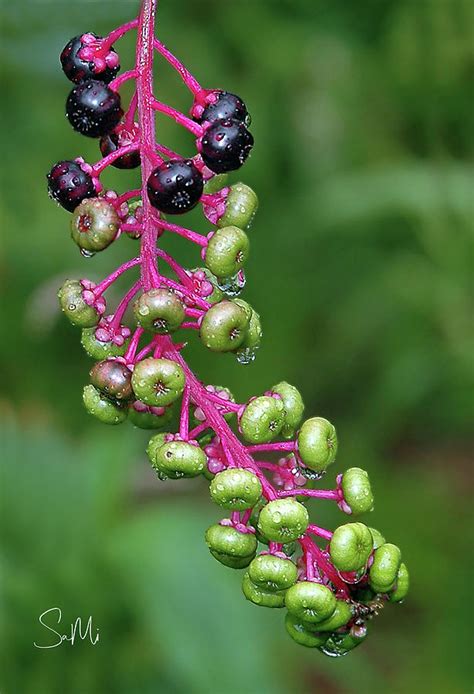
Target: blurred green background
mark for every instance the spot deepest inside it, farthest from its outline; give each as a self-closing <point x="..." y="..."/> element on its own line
<point x="362" y="115"/>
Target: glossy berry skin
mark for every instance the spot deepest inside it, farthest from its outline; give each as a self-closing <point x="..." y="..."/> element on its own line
<point x="402" y="584"/>
<point x="146" y="417"/>
<point x="317" y="443"/>
<point x="77" y="69"/>
<point x="310" y="602"/>
<point x="69" y="185"/>
<point x="235" y="489"/>
<point x="74" y="307"/>
<point x="241" y="206"/>
<point x="158" y="382"/>
<point x="357" y="491"/>
<point x="283" y="520"/>
<point x="101" y="407"/>
<point x="272" y="573"/>
<point x="227" y="251"/>
<point x="113" y="379"/>
<point x="99" y="350"/>
<point x="225" y="145"/>
<point x="261" y="597"/>
<point x="351" y="546"/>
<point x="93" y="109"/>
<point x="224" y="326"/>
<point x="178" y="459"/>
<point x="340" y="616"/>
<point x="175" y="186"/>
<point x="384" y="570"/>
<point x="226" y="105"/>
<point x="231" y="547"/>
<point x="94" y="224"/>
<point x="302" y="633"/>
<point x="262" y="419"/>
<point x="119" y="137"/>
<point x="159" y="310"/>
<point x="294" y="407"/>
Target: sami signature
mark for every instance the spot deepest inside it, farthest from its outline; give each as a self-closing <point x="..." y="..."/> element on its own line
<point x="76" y="630"/>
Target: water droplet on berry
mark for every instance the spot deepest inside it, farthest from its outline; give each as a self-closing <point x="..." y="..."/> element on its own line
<point x="246" y="356"/>
<point x="87" y="254"/>
<point x="276" y="517"/>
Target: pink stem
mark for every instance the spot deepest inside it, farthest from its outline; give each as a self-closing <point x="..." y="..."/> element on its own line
<point x="129" y="355"/>
<point x="231" y="406"/>
<point x="131" y="227"/>
<point x="246" y="516"/>
<point x="179" y="288"/>
<point x="179" y="271"/>
<point x="235" y="517"/>
<point x="121" y="79"/>
<point x="105" y="284"/>
<point x="279" y="446"/>
<point x="117" y="33"/>
<point x="308" y="545"/>
<point x="198" y="430"/>
<point x="113" y="156"/>
<point x="122" y="307"/>
<point x="130" y="114"/>
<point x="126" y="196"/>
<point x="167" y="151"/>
<point x="194" y="312"/>
<point x="309" y="560"/>
<point x="320" y="532"/>
<point x="184" y="419"/>
<point x="186" y="233"/>
<point x="192" y="326"/>
<point x="143" y="353"/>
<point x="192" y="84"/>
<point x="179" y="117"/>
<point x="316" y="493"/>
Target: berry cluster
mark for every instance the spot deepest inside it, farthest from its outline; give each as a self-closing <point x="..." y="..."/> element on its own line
<point x="262" y="460"/>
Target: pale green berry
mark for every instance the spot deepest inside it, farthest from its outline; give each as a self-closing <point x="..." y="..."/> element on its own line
<point x="340" y="616"/>
<point x="402" y="584"/>
<point x="302" y="634"/>
<point x="224" y="326"/>
<point x="74" y="307"/>
<point x="294" y="407"/>
<point x="377" y="537"/>
<point x="158" y="382"/>
<point x="240" y="207"/>
<point x="351" y="546"/>
<point x="150" y="418"/>
<point x="177" y="459"/>
<point x="236" y="489"/>
<point x="357" y="491"/>
<point x="154" y="444"/>
<point x="159" y="310"/>
<point x="317" y="443"/>
<point x="227" y="251"/>
<point x="310" y="601"/>
<point x="272" y="573"/>
<point x="231" y="547"/>
<point x="262" y="419"/>
<point x="283" y="520"/>
<point x="94" y="224"/>
<point x="215" y="183"/>
<point x="260" y="596"/>
<point x="100" y="407"/>
<point x="384" y="570"/>
<point x="101" y="350"/>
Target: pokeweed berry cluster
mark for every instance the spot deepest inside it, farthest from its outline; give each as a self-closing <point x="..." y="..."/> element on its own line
<point x="263" y="462"/>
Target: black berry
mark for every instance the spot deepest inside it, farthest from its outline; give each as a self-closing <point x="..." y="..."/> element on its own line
<point x="79" y="69"/>
<point x="93" y="109"/>
<point x="227" y="105"/>
<point x="68" y="184"/>
<point x="226" y="145"/>
<point x="175" y="186"/>
<point x="118" y="138"/>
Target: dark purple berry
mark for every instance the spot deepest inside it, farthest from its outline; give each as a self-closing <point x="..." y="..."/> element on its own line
<point x="226" y="145"/>
<point x="175" y="186"/>
<point x="93" y="109"/>
<point x="119" y="137"/>
<point x="69" y="185"/>
<point x="77" y="69"/>
<point x="227" y="105"/>
<point x="113" y="379"/>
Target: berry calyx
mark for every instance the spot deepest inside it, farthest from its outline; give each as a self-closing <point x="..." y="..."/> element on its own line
<point x="224" y="326"/>
<point x="225" y="145"/>
<point x="272" y="573"/>
<point x="351" y="546"/>
<point x="310" y="602"/>
<point x="159" y="310"/>
<point x="357" y="492"/>
<point x="177" y="459"/>
<point x="283" y="520"/>
<point x="69" y="184"/>
<point x="87" y="57"/>
<point x="74" y="306"/>
<point x="262" y="419"/>
<point x="235" y="489"/>
<point x="93" y="109"/>
<point x="221" y="105"/>
<point x="241" y="206"/>
<point x="119" y="137"/>
<point x="158" y="382"/>
<point x="175" y="186"/>
<point x="227" y="251"/>
<point x="94" y="224"/>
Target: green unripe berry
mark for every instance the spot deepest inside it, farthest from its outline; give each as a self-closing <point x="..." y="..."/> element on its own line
<point x="74" y="307"/>
<point x="158" y="382"/>
<point x="94" y="224"/>
<point x="294" y="407"/>
<point x="216" y="294"/>
<point x="177" y="459"/>
<point x="101" y="350"/>
<point x="272" y="573"/>
<point x="262" y="419"/>
<point x="101" y="407"/>
<point x="240" y="207"/>
<point x="231" y="547"/>
<point x="317" y="443"/>
<point x="377" y="537"/>
<point x="149" y="418"/>
<point x="341" y="615"/>
<point x="384" y="570"/>
<point x="300" y="633"/>
<point x="310" y="601"/>
<point x="260" y="596"/>
<point x="154" y="444"/>
<point x="236" y="489"/>
<point x="113" y="379"/>
<point x="340" y="644"/>
<point x="402" y="584"/>
<point x="227" y="251"/>
<point x="283" y="520"/>
<point x="159" y="310"/>
<point x="357" y="490"/>
<point x="351" y="546"/>
<point x="215" y="183"/>
<point x="253" y="336"/>
<point x="224" y="326"/>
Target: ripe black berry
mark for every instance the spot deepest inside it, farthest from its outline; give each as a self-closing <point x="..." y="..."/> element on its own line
<point x="227" y="105"/>
<point x="226" y="144"/>
<point x="68" y="184"/>
<point x="93" y="109"/>
<point x="118" y="138"/>
<point x="175" y="186"/>
<point x="77" y="69"/>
